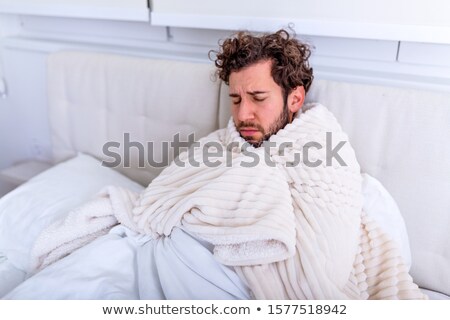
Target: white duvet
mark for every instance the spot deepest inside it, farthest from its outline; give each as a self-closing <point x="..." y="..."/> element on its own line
<point x="10" y="276"/>
<point x="178" y="267"/>
<point x="124" y="265"/>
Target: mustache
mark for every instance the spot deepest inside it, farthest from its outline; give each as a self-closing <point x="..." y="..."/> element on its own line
<point x="244" y="124"/>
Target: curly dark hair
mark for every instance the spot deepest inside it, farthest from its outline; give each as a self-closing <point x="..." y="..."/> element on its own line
<point x="290" y="67"/>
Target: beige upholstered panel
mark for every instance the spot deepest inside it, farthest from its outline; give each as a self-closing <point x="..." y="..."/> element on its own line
<point x="97" y="98"/>
<point x="401" y="137"/>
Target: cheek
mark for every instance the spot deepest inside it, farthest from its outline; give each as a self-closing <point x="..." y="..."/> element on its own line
<point x="268" y="114"/>
<point x="234" y="113"/>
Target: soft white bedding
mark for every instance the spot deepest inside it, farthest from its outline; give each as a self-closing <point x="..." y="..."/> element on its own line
<point x="10" y="276"/>
<point x="49" y="196"/>
<point x="123" y="265"/>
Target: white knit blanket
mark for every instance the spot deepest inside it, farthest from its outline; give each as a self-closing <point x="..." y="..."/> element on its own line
<point x="291" y="231"/>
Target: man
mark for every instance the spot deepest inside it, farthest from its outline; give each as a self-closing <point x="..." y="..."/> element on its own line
<point x="268" y="78"/>
<point x="281" y="229"/>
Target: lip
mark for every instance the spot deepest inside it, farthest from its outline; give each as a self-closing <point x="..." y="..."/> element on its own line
<point x="248" y="131"/>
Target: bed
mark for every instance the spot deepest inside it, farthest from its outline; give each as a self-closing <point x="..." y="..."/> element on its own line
<point x="400" y="137"/>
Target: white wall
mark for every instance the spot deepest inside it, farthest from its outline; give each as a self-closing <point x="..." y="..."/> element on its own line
<point x="404" y="12"/>
<point x="402" y="20"/>
<point x="123" y="10"/>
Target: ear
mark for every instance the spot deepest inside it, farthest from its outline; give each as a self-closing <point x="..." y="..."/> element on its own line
<point x="296" y="99"/>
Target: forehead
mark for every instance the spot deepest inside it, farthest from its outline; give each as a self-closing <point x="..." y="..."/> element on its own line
<point x="257" y="76"/>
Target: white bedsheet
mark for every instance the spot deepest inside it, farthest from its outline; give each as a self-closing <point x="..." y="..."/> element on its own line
<point x="10" y="276"/>
<point x="124" y="265"/>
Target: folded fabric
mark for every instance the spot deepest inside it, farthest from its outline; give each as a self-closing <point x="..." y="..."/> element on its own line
<point x="291" y="229"/>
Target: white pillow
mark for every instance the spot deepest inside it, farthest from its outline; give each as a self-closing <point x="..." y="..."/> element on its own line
<point x="33" y="206"/>
<point x="380" y="205"/>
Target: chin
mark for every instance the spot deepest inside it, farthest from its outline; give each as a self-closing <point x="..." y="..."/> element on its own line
<point x="255" y="143"/>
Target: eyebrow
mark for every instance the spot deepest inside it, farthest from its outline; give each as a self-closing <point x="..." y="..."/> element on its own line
<point x="252" y="93"/>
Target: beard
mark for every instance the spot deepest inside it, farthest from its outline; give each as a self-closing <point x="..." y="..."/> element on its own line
<point x="279" y="123"/>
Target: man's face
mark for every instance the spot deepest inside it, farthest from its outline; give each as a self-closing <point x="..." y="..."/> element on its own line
<point x="258" y="107"/>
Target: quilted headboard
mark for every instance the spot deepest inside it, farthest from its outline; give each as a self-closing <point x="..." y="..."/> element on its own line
<point x="400" y="136"/>
<point x="96" y="99"/>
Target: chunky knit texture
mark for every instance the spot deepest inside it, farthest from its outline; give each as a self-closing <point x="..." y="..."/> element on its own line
<point x="289" y="222"/>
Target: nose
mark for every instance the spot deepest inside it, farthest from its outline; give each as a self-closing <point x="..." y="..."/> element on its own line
<point x="246" y="110"/>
